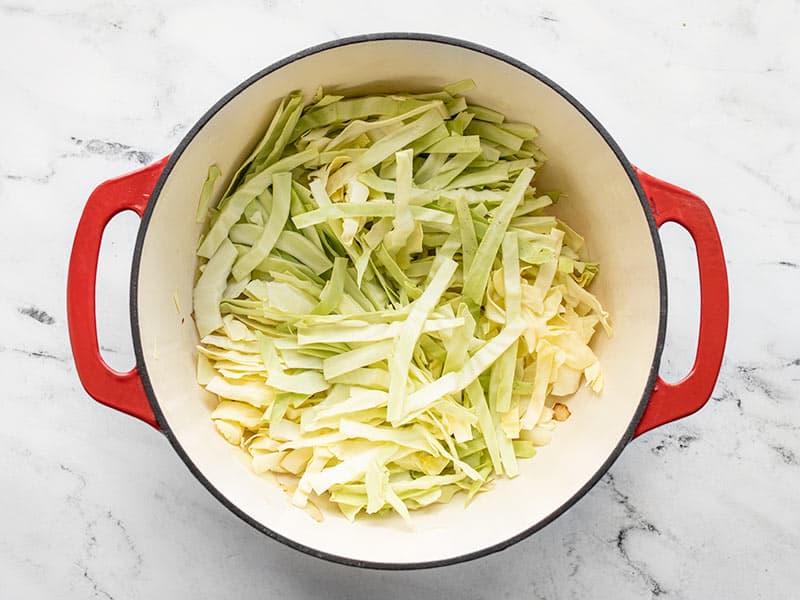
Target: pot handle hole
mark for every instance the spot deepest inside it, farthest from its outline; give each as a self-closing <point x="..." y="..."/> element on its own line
<point x="670" y="401"/>
<point x="122" y="391"/>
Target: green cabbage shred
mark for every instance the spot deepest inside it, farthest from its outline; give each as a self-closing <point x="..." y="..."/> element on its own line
<point x="386" y="314"/>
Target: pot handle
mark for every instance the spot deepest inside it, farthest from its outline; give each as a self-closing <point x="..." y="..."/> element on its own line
<point x="123" y="391"/>
<point x="671" y="401"/>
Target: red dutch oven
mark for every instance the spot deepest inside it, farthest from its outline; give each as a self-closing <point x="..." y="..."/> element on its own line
<point x="616" y="206"/>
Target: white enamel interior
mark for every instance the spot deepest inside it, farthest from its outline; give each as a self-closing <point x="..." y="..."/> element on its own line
<point x="602" y="204"/>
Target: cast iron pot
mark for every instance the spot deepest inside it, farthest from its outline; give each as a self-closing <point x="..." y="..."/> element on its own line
<point x="616" y="206"/>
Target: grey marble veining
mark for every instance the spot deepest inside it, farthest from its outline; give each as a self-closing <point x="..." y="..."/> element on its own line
<point x="96" y="505"/>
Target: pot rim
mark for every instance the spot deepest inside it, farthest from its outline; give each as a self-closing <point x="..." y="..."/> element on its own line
<point x="134" y="310"/>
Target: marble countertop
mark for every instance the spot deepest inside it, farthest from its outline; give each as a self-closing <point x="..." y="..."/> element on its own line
<point x="96" y="505"/>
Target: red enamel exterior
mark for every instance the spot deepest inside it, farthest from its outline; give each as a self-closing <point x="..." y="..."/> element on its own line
<point x="668" y="402"/>
<point x="123" y="391"/>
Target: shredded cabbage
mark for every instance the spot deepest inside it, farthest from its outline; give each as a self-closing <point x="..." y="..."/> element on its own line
<point x="384" y="311"/>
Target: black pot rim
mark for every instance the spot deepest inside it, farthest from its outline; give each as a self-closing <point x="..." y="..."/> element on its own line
<point x="134" y="310"/>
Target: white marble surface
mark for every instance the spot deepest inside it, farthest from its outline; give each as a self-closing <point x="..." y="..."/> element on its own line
<point x="96" y="505"/>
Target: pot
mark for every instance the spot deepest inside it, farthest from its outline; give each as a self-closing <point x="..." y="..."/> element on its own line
<point x="615" y="205"/>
